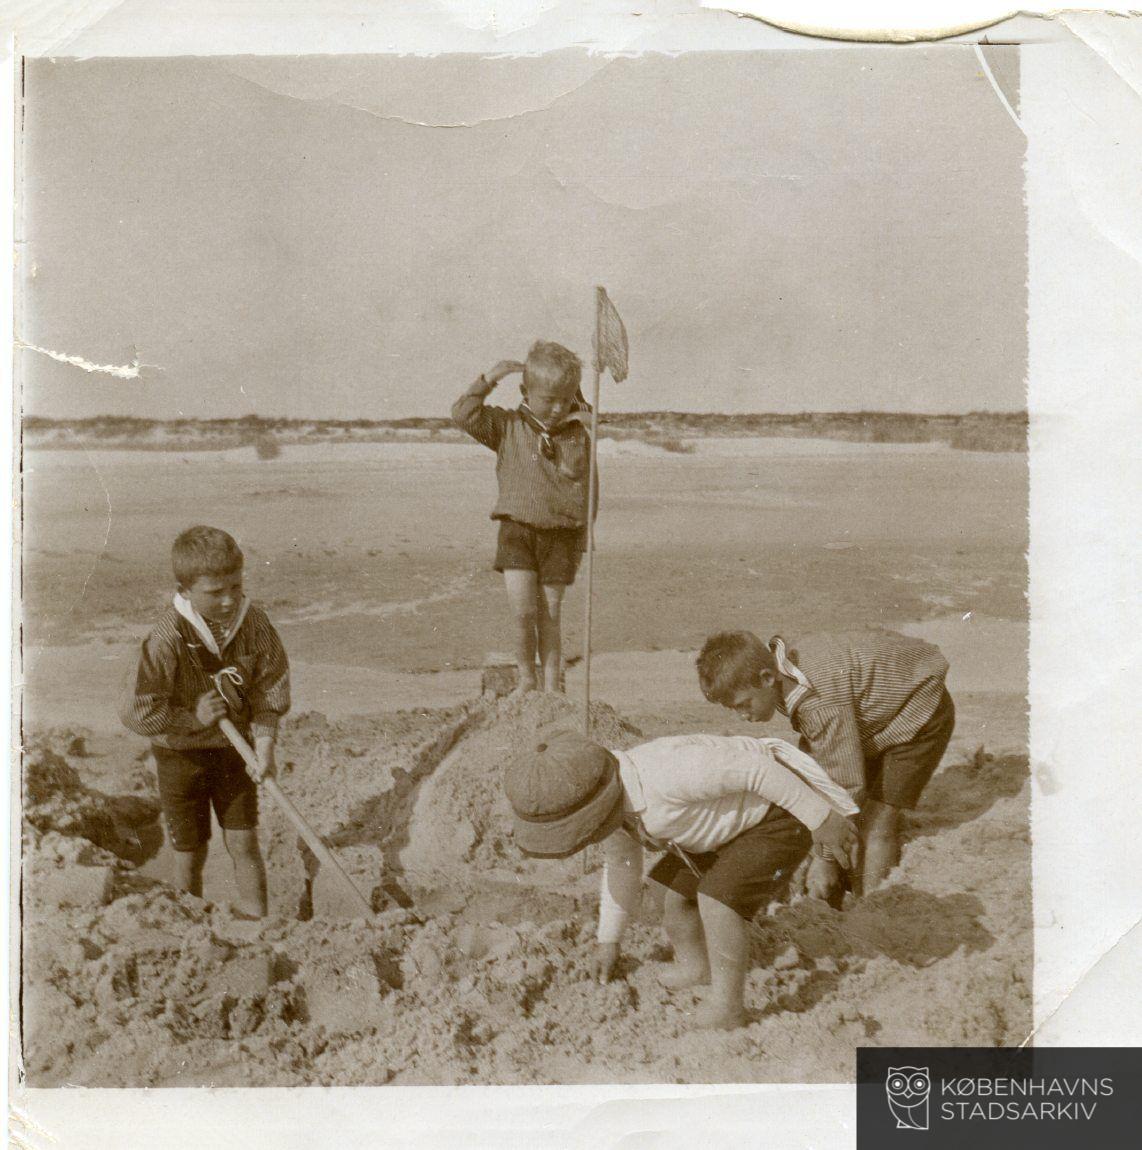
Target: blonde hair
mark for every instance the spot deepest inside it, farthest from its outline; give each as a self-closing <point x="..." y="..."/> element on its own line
<point x="554" y="365"/>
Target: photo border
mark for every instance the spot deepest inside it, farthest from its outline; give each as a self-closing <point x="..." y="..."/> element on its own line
<point x="1083" y="297"/>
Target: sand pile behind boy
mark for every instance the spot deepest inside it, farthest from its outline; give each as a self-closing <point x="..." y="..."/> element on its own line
<point x="414" y="797"/>
<point x="460" y="821"/>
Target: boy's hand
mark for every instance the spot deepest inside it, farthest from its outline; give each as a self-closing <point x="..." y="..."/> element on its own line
<point x="267" y="766"/>
<point x="824" y="880"/>
<point x="502" y="369"/>
<point x="839" y="836"/>
<point x="210" y="708"/>
<point x="606" y="959"/>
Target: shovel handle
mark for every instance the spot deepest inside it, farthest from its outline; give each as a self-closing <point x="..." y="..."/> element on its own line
<point x="324" y="855"/>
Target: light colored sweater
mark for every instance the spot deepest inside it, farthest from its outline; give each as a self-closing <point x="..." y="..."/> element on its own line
<point x="699" y="792"/>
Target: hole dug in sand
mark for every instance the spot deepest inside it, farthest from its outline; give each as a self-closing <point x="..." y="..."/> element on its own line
<point x="488" y="977"/>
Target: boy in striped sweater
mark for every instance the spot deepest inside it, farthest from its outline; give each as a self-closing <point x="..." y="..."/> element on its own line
<point x="870" y="706"/>
<point x="543" y="455"/>
<point x="210" y="627"/>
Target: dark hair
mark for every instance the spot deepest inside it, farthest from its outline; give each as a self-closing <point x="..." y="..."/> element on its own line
<point x="731" y="661"/>
<point x="202" y="551"/>
<point x="553" y="363"/>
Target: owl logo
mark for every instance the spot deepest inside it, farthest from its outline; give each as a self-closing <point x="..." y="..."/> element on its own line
<point x="908" y="1089"/>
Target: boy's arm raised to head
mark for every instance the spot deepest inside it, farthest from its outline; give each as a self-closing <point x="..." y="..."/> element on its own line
<point x="269" y="693"/>
<point x="469" y="413"/>
<point x="147" y="706"/>
<point x="834" y="741"/>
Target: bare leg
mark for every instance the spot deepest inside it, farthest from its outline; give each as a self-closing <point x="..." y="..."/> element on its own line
<point x="249" y="871"/>
<point x="549" y="605"/>
<point x="188" y="870"/>
<point x="727" y="941"/>
<point x="522" y="587"/>
<point x="881" y="834"/>
<point x="691" y="966"/>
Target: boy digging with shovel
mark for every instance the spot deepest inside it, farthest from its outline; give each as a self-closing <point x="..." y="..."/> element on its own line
<point x="174" y="701"/>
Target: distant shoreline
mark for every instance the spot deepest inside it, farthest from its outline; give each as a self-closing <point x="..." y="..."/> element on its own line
<point x="670" y="430"/>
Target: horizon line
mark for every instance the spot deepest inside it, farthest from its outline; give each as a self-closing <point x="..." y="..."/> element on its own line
<point x="259" y="418"/>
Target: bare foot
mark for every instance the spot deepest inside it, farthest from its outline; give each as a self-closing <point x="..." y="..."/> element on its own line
<point x="676" y="977"/>
<point x="719" y="1016"/>
<point x="525" y="687"/>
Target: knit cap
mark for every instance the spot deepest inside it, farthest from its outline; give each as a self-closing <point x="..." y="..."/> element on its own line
<point x="565" y="793"/>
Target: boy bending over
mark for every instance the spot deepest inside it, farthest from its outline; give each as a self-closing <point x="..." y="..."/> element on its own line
<point x="210" y="627"/>
<point x="871" y="707"/>
<point x="734" y="815"/>
<point x="542" y="458"/>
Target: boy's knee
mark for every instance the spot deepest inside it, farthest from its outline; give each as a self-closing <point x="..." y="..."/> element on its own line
<point x="553" y="594"/>
<point x="661" y="896"/>
<point x="189" y="866"/>
<point x="549" y="622"/>
<point x="879" y="817"/>
<point x="720" y="908"/>
<point x="525" y="616"/>
<point x="242" y="844"/>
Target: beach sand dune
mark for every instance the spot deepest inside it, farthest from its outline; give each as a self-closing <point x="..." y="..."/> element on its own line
<point x="375" y="567"/>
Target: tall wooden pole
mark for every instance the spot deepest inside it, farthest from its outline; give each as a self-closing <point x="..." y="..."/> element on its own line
<point x="591" y="515"/>
<point x="590" y="557"/>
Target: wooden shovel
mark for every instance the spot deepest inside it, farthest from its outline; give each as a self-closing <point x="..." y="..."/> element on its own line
<point x="324" y="855"/>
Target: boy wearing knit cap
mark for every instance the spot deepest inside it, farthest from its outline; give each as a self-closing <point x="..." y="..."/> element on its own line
<point x="542" y="451"/>
<point x="734" y="816"/>
<point x="870" y="706"/>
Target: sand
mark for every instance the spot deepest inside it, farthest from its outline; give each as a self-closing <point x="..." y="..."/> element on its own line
<point x="486" y="977"/>
<point x="476" y="965"/>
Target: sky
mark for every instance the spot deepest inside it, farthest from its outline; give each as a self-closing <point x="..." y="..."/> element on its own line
<point x="360" y="237"/>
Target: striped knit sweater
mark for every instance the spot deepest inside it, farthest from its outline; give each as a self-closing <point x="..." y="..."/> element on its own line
<point x="867" y="691"/>
<point x="533" y="489"/>
<point x="174" y="670"/>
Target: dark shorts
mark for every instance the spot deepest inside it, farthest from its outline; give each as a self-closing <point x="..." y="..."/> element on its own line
<point x="552" y="552"/>
<point x="191" y="782"/>
<point x="748" y="872"/>
<point x="898" y="776"/>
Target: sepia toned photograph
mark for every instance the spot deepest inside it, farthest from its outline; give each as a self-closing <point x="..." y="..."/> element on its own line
<point x="523" y="569"/>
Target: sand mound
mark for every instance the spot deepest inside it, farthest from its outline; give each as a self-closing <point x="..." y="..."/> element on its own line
<point x="487" y="976"/>
<point x="461" y="820"/>
<point x="416" y="798"/>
